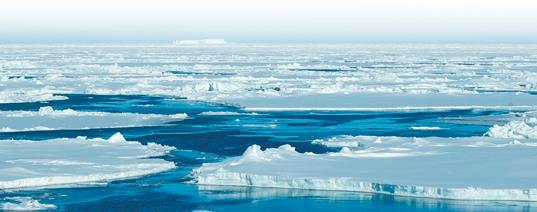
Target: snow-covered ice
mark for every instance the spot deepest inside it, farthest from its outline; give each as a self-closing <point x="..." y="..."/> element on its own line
<point x="49" y="119"/>
<point x="25" y="163"/>
<point x="269" y="77"/>
<point x="515" y="129"/>
<point x="226" y="113"/>
<point x="457" y="168"/>
<point x="266" y="75"/>
<point x="425" y="128"/>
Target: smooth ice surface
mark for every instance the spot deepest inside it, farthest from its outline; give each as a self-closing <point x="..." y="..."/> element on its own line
<point x="49" y="119"/>
<point x="459" y="168"/>
<point x="25" y="163"/>
<point x="389" y="101"/>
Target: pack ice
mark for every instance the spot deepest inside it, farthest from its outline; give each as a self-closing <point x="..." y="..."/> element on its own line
<point x="279" y="76"/>
<point x="25" y="163"/>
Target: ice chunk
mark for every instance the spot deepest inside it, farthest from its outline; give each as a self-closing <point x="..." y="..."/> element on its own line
<point x="344" y="141"/>
<point x="515" y="129"/>
<point x="49" y="111"/>
<point x="252" y="154"/>
<point x="26" y="204"/>
<point x="116" y="138"/>
<point x="425" y="128"/>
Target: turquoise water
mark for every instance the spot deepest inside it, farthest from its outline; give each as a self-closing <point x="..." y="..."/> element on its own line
<point x="218" y="137"/>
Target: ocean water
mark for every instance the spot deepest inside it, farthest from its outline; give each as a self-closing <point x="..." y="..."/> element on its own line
<point x="196" y="80"/>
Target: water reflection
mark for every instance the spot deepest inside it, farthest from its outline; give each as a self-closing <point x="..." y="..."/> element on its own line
<point x="291" y="199"/>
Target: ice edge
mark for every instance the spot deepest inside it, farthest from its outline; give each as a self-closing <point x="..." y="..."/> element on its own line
<point x="389" y="108"/>
<point x="470" y="193"/>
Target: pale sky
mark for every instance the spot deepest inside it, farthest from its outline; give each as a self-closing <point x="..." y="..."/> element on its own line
<point x="275" y="21"/>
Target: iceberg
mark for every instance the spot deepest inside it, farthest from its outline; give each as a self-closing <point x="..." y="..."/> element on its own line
<point x="477" y="168"/>
<point x="204" y="41"/>
<point x="25" y="163"/>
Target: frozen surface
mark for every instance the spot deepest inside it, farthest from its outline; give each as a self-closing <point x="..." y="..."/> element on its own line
<point x="458" y="168"/>
<point x="425" y="128"/>
<point x="26" y="163"/>
<point x="25" y="204"/>
<point x="225" y="113"/>
<point x="267" y="77"/>
<point x="49" y="119"/>
<point x="279" y="76"/>
<point x="389" y="101"/>
<point x="515" y="129"/>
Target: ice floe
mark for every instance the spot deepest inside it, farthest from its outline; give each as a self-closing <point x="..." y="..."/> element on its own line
<point x="25" y="163"/>
<point x="226" y="113"/>
<point x="482" y="168"/>
<point x="425" y="128"/>
<point x="49" y="119"/>
<point x="25" y="204"/>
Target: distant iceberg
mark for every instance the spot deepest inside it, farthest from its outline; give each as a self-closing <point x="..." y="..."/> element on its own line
<point x="205" y="41"/>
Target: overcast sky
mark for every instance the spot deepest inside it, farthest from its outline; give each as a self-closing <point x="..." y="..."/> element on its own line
<point x="274" y="21"/>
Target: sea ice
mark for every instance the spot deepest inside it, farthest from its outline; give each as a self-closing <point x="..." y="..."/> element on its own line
<point x="226" y="113"/>
<point x="357" y="76"/>
<point x="25" y="204"/>
<point x="425" y="128"/>
<point x="515" y="129"/>
<point x="25" y="163"/>
<point x="49" y="119"/>
<point x="482" y="168"/>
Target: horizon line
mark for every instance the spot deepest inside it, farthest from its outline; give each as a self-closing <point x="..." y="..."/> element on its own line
<point x="232" y="43"/>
